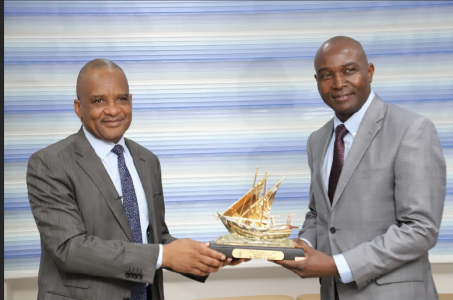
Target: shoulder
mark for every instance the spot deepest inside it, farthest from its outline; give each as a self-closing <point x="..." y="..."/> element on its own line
<point x="400" y="119"/>
<point x="57" y="158"/>
<point x="60" y="149"/>
<point x="398" y="124"/>
<point x="401" y="115"/>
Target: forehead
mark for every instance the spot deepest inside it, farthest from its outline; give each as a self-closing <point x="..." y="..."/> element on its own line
<point x="337" y="56"/>
<point x="104" y="80"/>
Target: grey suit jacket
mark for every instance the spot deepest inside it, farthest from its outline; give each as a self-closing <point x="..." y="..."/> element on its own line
<point x="387" y="207"/>
<point x="86" y="243"/>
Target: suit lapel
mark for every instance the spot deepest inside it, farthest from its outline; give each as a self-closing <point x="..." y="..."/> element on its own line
<point x="368" y="129"/>
<point x="145" y="178"/>
<point x="325" y="134"/>
<point x="93" y="167"/>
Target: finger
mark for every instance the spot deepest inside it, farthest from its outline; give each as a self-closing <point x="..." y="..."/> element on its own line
<point x="299" y="242"/>
<point x="227" y="261"/>
<point x="289" y="264"/>
<point x="301" y="246"/>
<point x="307" y="249"/>
<point x="212" y="253"/>
<point x="200" y="269"/>
<point x="209" y="261"/>
<point x="200" y="273"/>
<point x="238" y="261"/>
<point x="207" y="269"/>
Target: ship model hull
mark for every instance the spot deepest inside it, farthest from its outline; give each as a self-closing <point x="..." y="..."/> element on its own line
<point x="252" y="232"/>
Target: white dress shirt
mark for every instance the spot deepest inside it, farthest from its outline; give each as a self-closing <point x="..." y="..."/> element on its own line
<point x="352" y="125"/>
<point x="110" y="162"/>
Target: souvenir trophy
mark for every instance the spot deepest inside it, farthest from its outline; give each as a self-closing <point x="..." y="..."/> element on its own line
<point x="253" y="232"/>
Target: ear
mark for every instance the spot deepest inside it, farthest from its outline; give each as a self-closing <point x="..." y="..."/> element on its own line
<point x="130" y="98"/>
<point x="370" y="70"/>
<point x="78" y="109"/>
<point x="316" y="77"/>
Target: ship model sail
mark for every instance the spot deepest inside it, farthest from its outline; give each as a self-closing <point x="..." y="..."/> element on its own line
<point x="250" y="215"/>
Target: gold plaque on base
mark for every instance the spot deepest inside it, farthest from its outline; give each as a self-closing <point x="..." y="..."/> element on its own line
<point x="260" y="254"/>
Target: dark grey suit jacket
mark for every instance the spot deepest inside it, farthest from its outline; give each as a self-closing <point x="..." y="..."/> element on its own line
<point x="387" y="207"/>
<point x="86" y="243"/>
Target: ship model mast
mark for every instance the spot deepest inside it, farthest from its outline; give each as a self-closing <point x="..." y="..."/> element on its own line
<point x="249" y="216"/>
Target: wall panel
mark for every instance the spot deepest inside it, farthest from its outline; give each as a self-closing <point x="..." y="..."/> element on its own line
<point x="219" y="87"/>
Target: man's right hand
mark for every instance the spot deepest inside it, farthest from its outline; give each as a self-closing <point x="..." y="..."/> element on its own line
<point x="189" y="256"/>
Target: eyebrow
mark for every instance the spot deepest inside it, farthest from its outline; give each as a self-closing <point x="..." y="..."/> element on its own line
<point x="123" y="94"/>
<point x="343" y="66"/>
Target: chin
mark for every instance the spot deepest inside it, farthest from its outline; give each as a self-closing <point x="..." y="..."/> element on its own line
<point x="114" y="138"/>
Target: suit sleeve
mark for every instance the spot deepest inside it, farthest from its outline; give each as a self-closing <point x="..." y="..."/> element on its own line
<point x="420" y="186"/>
<point x="308" y="231"/>
<point x="63" y="233"/>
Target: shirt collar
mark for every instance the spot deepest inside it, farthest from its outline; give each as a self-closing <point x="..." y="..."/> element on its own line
<point x="353" y="123"/>
<point x="102" y="148"/>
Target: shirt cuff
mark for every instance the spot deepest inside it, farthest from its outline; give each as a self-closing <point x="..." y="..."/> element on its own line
<point x="306" y="241"/>
<point x="159" y="258"/>
<point x="343" y="268"/>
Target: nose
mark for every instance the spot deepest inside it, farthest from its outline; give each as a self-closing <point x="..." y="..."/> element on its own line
<point x="338" y="81"/>
<point x="112" y="108"/>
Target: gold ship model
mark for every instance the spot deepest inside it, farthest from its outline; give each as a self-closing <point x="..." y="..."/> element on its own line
<point x="249" y="216"/>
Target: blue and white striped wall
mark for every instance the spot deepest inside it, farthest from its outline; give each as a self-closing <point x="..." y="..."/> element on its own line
<point x="219" y="87"/>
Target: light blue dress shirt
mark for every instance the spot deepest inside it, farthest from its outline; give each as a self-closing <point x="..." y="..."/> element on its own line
<point x="352" y="125"/>
<point x="110" y="162"/>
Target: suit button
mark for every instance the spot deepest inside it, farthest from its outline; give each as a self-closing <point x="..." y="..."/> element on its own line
<point x="140" y="276"/>
<point x="135" y="275"/>
<point x="332" y="230"/>
<point x="127" y="275"/>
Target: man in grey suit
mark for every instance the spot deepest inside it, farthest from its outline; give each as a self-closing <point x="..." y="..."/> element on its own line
<point x="378" y="184"/>
<point x="97" y="200"/>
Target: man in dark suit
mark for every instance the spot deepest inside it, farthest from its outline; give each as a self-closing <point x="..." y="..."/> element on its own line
<point x="378" y="184"/>
<point x="97" y="200"/>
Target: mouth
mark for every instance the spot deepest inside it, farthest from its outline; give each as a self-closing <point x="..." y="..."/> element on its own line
<point x="112" y="123"/>
<point x="342" y="97"/>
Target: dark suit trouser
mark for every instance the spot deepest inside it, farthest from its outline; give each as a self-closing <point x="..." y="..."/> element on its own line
<point x="148" y="292"/>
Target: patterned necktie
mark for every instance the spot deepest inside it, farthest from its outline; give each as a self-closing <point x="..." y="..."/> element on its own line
<point x="337" y="162"/>
<point x="132" y="213"/>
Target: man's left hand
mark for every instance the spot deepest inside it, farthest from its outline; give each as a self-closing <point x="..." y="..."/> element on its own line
<point x="316" y="264"/>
